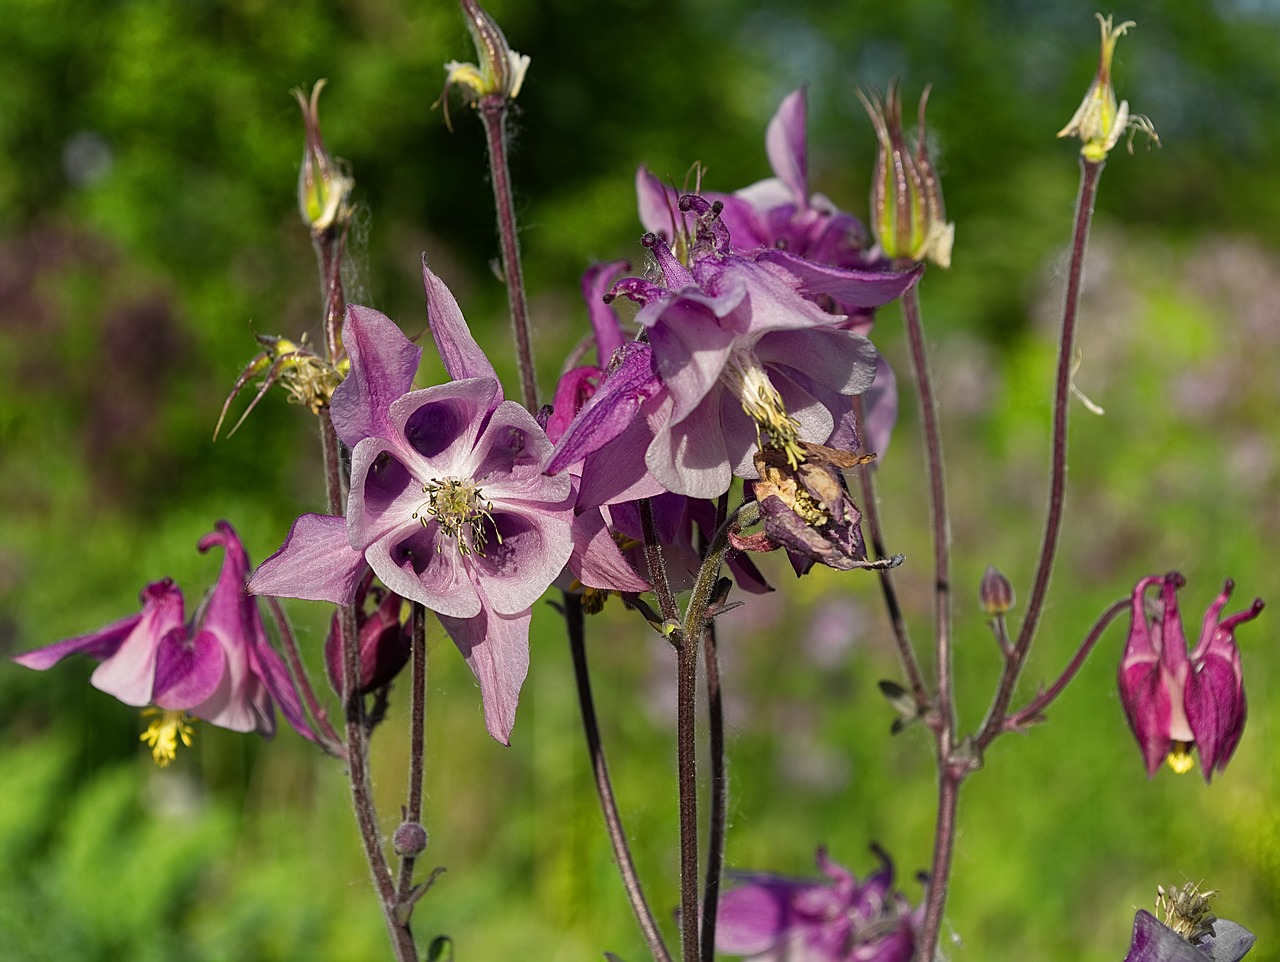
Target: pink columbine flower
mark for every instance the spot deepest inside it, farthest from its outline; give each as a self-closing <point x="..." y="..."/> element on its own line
<point x="448" y="502"/>
<point x="1175" y="700"/>
<point x="218" y="666"/>
<point x="772" y="918"/>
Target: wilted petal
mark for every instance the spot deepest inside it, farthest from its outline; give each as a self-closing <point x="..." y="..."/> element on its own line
<point x="383" y="362"/>
<point x="496" y="647"/>
<point x="316" y="563"/>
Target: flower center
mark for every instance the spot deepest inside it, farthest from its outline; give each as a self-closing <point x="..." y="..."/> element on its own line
<point x="775" y="428"/>
<point x="458" y="507"/>
<point x="163" y="733"/>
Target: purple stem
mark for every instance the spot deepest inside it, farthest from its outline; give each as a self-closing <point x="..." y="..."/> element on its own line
<point x="604" y="786"/>
<point x="417" y="741"/>
<point x="493" y="112"/>
<point x="302" y="681"/>
<point x="1089" y="173"/>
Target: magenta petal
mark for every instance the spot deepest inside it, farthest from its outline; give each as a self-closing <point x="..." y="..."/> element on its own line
<point x="784" y="142"/>
<point x="756" y="916"/>
<point x="657" y="202"/>
<point x="462" y="356"/>
<point x="266" y="663"/>
<point x="129" y="673"/>
<point x="574" y="389"/>
<point x="316" y="563"/>
<point x="383" y="362"/>
<point x="496" y="647"/>
<point x="604" y="320"/>
<point x="1215" y="704"/>
<point x="597" y="561"/>
<point x="187" y="672"/>
<point x="98" y="645"/>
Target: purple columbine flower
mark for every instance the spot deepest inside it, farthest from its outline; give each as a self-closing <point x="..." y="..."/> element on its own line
<point x="218" y="666"/>
<point x="1175" y="701"/>
<point x="737" y="357"/>
<point x="772" y="918"/>
<point x="448" y="502"/>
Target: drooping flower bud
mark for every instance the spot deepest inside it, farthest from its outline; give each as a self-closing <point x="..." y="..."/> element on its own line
<point x="907" y="213"/>
<point x="501" y="70"/>
<point x="324" y="184"/>
<point x="1100" y="121"/>
<point x="996" y="593"/>
<point x="384" y="640"/>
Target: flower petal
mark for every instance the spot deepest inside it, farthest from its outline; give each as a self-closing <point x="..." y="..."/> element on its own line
<point x="604" y="319"/>
<point x="187" y="673"/>
<point x="462" y="356"/>
<point x="383" y="362"/>
<point x="526" y="549"/>
<point x="316" y="563"/>
<point x="784" y="142"/>
<point x="510" y="455"/>
<point x="597" y="561"/>
<point x="862" y="288"/>
<point x="129" y="674"/>
<point x="496" y="647"/>
<point x="1155" y="942"/>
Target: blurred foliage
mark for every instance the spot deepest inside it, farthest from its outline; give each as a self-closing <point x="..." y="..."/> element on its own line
<point x="147" y="230"/>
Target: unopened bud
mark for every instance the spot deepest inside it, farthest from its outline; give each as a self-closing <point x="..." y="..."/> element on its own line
<point x="324" y="185"/>
<point x="1100" y="121"/>
<point x="907" y="213"/>
<point x="410" y="839"/>
<point x="383" y="639"/>
<point x="501" y="70"/>
<point x="996" y="593"/>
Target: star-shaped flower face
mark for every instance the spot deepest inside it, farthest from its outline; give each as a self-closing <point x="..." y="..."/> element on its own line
<point x="448" y="502"/>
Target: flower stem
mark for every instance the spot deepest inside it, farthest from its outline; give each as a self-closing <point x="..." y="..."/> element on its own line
<point x="901" y="637"/>
<point x="940" y="522"/>
<point x="493" y="112"/>
<point x="687" y="772"/>
<point x="330" y="245"/>
<point x="1089" y="173"/>
<point x="417" y="739"/>
<point x="949" y="779"/>
<point x="330" y="741"/>
<point x="576" y="628"/>
<point x="719" y="794"/>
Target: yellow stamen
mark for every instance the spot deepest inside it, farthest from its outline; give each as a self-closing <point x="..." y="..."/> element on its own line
<point x="456" y="505"/>
<point x="1180" y="758"/>
<point x="164" y="732"/>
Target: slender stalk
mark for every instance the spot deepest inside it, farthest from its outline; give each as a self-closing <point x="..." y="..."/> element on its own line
<point x="329" y="246"/>
<point x="901" y="637"/>
<point x="302" y="680"/>
<point x="1089" y="174"/>
<point x="940" y="522"/>
<point x="417" y="739"/>
<point x="949" y="779"/>
<point x="719" y="794"/>
<point x="493" y="112"/>
<point x="657" y="567"/>
<point x="335" y="484"/>
<point x="687" y="771"/>
<point x="576" y="628"/>
<point x="362" y="793"/>
<point x="1042" y="701"/>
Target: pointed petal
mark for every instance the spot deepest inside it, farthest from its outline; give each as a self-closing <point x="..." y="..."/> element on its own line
<point x="270" y="667"/>
<point x="98" y="645"/>
<point x="316" y="563"/>
<point x="496" y="647"/>
<point x="784" y="142"/>
<point x="1215" y="704"/>
<point x="658" y="204"/>
<point x="862" y="288"/>
<point x="574" y="391"/>
<point x="458" y="349"/>
<point x="604" y="319"/>
<point x="1155" y="942"/>
<point x="383" y="362"/>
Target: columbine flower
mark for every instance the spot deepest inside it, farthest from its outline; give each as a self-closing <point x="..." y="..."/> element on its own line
<point x="1175" y="701"/>
<point x="448" y="503"/>
<point x="218" y="667"/>
<point x="771" y="918"/>
<point x="1099" y="121"/>
<point x="737" y="358"/>
<point x="907" y="214"/>
<point x="1190" y="932"/>
<point x="324" y="184"/>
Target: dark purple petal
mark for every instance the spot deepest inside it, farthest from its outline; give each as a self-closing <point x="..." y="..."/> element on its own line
<point x="1155" y="942"/>
<point x="604" y="320"/>
<point x="383" y="362"/>
<point x="861" y="288"/>
<point x="440" y="424"/>
<point x="462" y="356"/>
<point x="496" y="647"/>
<point x="316" y="563"/>
<point x="421" y="564"/>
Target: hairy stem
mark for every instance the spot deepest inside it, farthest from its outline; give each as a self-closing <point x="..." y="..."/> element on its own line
<point x="719" y="794"/>
<point x="330" y="246"/>
<point x="576" y="628"/>
<point x="493" y="112"/>
<point x="949" y="779"/>
<point x="687" y="772"/>
<point x="417" y="739"/>
<point x="1089" y="173"/>
<point x="331" y="743"/>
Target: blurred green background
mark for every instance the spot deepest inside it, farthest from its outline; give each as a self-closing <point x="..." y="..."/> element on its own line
<point x="148" y="229"/>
